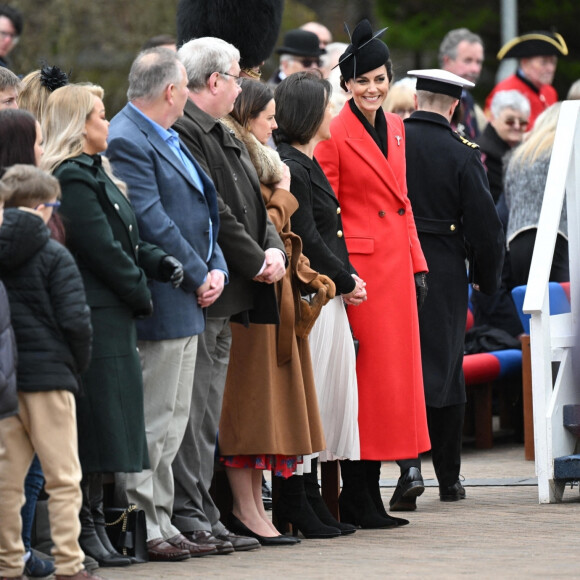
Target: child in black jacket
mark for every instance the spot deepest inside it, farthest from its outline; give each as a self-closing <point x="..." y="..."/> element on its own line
<point x="51" y="321"/>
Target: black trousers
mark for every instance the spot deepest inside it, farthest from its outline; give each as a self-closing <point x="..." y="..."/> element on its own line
<point x="445" y="430"/>
<point x="521" y="250"/>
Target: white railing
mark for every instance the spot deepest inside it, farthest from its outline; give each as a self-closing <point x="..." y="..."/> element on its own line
<point x="552" y="337"/>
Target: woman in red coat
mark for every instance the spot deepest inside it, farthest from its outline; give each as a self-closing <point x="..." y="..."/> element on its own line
<point x="365" y="163"/>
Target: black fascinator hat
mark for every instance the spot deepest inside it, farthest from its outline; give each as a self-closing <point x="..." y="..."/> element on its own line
<point x="52" y="77"/>
<point x="364" y="53"/>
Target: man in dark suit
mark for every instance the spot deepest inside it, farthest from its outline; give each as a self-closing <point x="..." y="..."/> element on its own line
<point x="453" y="211"/>
<point x="176" y="207"/>
<point x="256" y="259"/>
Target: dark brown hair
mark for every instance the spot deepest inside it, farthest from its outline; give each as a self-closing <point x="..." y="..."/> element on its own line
<point x="253" y="99"/>
<point x="17" y="137"/>
<point x="301" y="100"/>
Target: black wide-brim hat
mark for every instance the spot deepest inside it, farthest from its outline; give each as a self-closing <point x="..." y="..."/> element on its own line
<point x="252" y="26"/>
<point x="540" y="43"/>
<point x="364" y="53"/>
<point x="301" y="43"/>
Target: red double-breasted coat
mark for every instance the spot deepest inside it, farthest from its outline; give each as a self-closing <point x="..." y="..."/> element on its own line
<point x="384" y="248"/>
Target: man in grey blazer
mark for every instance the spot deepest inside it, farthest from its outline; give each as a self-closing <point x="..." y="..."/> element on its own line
<point x="256" y="259"/>
<point x="176" y="207"/>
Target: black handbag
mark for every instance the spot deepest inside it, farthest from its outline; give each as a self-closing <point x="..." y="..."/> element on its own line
<point x="127" y="530"/>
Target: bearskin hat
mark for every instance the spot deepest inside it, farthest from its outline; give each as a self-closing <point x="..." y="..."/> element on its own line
<point x="252" y="26"/>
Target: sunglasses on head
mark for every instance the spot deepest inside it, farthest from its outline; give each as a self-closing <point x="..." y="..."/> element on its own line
<point x="511" y="121"/>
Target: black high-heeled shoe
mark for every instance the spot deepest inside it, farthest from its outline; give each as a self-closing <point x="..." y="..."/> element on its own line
<point x="236" y="526"/>
<point x="373" y="469"/>
<point x="292" y="507"/>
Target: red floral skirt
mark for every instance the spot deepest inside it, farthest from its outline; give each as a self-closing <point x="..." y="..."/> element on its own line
<point x="280" y="465"/>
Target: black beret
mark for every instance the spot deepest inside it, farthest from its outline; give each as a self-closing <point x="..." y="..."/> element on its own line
<point x="364" y="53"/>
<point x="532" y="44"/>
<point x="252" y="26"/>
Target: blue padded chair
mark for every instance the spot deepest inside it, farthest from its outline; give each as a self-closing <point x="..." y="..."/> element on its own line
<point x="559" y="303"/>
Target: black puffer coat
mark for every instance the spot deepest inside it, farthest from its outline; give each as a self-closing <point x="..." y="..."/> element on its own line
<point x="50" y="316"/>
<point x="8" y="396"/>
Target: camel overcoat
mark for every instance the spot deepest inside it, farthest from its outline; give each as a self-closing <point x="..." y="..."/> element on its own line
<point x="383" y="247"/>
<point x="270" y="403"/>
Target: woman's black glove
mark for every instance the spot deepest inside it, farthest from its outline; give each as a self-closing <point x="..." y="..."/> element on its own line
<point x="144" y="312"/>
<point x="421" y="288"/>
<point x="171" y="270"/>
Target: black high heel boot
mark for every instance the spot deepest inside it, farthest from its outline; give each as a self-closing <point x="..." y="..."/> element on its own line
<point x="98" y="513"/>
<point x="316" y="502"/>
<point x="292" y="507"/>
<point x="89" y="540"/>
<point x="355" y="501"/>
<point x="373" y="483"/>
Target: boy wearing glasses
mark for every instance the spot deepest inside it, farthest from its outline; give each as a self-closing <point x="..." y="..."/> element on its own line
<point x="51" y="322"/>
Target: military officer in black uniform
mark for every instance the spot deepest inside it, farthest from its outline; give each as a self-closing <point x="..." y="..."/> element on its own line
<point x="456" y="220"/>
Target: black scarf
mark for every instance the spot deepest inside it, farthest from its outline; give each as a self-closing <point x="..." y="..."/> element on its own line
<point x="378" y="132"/>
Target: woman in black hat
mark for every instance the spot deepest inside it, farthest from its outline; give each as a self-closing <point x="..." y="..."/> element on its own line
<point x="365" y="163"/>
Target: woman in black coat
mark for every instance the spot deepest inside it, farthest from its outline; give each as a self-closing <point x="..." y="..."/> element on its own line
<point x="102" y="234"/>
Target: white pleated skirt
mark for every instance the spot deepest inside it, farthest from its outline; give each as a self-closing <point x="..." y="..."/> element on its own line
<point x="334" y="364"/>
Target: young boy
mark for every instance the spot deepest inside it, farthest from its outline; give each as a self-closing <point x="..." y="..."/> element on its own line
<point x="51" y="321"/>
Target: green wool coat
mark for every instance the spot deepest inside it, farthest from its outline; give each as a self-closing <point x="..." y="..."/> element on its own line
<point x="102" y="234"/>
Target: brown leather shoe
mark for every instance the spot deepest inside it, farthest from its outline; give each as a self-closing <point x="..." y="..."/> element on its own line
<point x="162" y="551"/>
<point x="205" y="538"/>
<point x="240" y="543"/>
<point x="195" y="550"/>
<point x="81" y="575"/>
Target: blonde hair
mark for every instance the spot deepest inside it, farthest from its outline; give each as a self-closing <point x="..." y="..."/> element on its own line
<point x="33" y="95"/>
<point x="540" y="140"/>
<point x="28" y="186"/>
<point x="63" y="127"/>
<point x="400" y="96"/>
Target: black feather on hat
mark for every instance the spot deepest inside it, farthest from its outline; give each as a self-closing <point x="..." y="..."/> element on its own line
<point x="364" y="53"/>
<point x="532" y="44"/>
<point x="252" y="26"/>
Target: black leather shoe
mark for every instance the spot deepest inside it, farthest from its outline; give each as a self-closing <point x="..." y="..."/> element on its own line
<point x="409" y="487"/>
<point x="237" y="526"/>
<point x="239" y="543"/>
<point x="453" y="492"/>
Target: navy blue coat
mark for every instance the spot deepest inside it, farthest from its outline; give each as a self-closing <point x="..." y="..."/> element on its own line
<point x="173" y="214"/>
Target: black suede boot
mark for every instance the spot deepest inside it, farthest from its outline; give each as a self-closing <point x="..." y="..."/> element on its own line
<point x="316" y="502"/>
<point x="89" y="540"/>
<point x="373" y="469"/>
<point x="355" y="501"/>
<point x="292" y="507"/>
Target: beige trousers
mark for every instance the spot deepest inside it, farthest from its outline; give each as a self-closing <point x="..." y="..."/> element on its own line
<point x="46" y="424"/>
<point x="168" y="369"/>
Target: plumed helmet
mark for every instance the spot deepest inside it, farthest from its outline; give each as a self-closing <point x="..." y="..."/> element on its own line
<point x="252" y="26"/>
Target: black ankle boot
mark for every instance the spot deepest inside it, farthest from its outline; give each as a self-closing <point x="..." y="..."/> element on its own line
<point x="355" y="501"/>
<point x="373" y="469"/>
<point x="89" y="540"/>
<point x="316" y="502"/>
<point x="292" y="507"/>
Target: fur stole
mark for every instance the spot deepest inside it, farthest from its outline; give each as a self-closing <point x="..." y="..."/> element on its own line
<point x="267" y="162"/>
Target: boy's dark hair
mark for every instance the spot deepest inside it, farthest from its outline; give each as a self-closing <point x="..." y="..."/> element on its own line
<point x="28" y="186"/>
<point x="301" y="100"/>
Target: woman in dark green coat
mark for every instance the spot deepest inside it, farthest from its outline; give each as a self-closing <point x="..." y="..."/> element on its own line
<point x="102" y="234"/>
